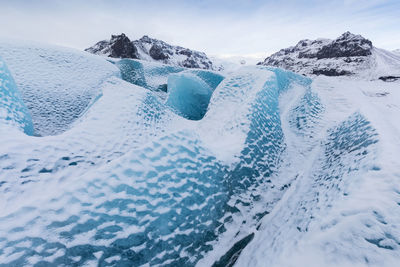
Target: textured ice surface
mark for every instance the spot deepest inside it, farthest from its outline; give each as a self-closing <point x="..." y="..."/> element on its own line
<point x="12" y="108"/>
<point x="211" y="78"/>
<point x="188" y="95"/>
<point x="342" y="156"/>
<point x="89" y="144"/>
<point x="159" y="200"/>
<point x="341" y="208"/>
<point x="133" y="183"/>
<point x="56" y="84"/>
<point x="152" y="76"/>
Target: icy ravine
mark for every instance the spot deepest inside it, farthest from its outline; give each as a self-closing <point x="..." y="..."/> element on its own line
<point x="350" y="219"/>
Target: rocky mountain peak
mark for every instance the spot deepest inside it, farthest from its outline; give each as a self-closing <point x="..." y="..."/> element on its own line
<point x="346" y="45"/>
<point x="145" y="39"/>
<point x="146" y="48"/>
<point x="119" y="46"/>
<point x="342" y="56"/>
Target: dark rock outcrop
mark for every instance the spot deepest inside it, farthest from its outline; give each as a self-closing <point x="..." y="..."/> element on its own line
<point x="331" y="72"/>
<point x="158" y="53"/>
<point x="118" y="47"/>
<point x="389" y="78"/>
<point x="347" y="45"/>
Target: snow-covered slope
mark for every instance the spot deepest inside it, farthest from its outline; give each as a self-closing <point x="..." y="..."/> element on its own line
<point x="281" y="170"/>
<point x="349" y="54"/>
<point x="397" y="51"/>
<point x="57" y="84"/>
<point x="342" y="209"/>
<point x="149" y="49"/>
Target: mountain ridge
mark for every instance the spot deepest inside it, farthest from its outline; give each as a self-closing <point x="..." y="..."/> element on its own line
<point x="150" y="49"/>
<point x="348" y="55"/>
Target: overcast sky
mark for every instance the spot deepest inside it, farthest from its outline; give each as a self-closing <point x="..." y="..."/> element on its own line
<point x="224" y="28"/>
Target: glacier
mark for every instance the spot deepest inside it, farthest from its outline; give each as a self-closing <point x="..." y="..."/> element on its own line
<point x="168" y="166"/>
<point x="12" y="108"/>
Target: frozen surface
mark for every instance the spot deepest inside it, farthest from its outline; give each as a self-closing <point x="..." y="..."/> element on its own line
<point x="282" y="170"/>
<point x="153" y="76"/>
<point x="57" y="84"/>
<point x="342" y="207"/>
<point x="188" y="95"/>
<point x="211" y="78"/>
<point x="12" y="108"/>
<point x="131" y="195"/>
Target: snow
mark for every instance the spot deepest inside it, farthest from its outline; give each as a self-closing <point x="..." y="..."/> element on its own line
<point x="57" y="84"/>
<point x="151" y="50"/>
<point x="380" y="63"/>
<point x="147" y="174"/>
<point x="384" y="63"/>
<point x="350" y="219"/>
<point x="175" y="55"/>
<point x="314" y="57"/>
<point x="309" y="166"/>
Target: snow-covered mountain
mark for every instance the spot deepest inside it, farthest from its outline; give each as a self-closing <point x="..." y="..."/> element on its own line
<point x="146" y="48"/>
<point x="349" y="54"/>
<point x="397" y="51"/>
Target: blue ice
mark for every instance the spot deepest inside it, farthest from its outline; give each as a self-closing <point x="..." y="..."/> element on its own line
<point x="167" y="201"/>
<point x="152" y="76"/>
<point x="12" y="108"/>
<point x="188" y="95"/>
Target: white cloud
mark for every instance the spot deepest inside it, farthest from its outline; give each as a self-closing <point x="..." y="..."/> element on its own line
<point x="240" y="28"/>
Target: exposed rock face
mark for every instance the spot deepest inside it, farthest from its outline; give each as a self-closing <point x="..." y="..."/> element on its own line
<point x="389" y="78"/>
<point x="346" y="55"/>
<point x="157" y="52"/>
<point x="347" y="45"/>
<point x="331" y="72"/>
<point x="118" y="47"/>
<point x="150" y="49"/>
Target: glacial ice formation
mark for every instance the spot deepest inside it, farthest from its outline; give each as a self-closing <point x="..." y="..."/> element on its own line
<point x="188" y="95"/>
<point x="57" y="84"/>
<point x="163" y="202"/>
<point x="265" y="167"/>
<point x="153" y="76"/>
<point x="12" y="108"/>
